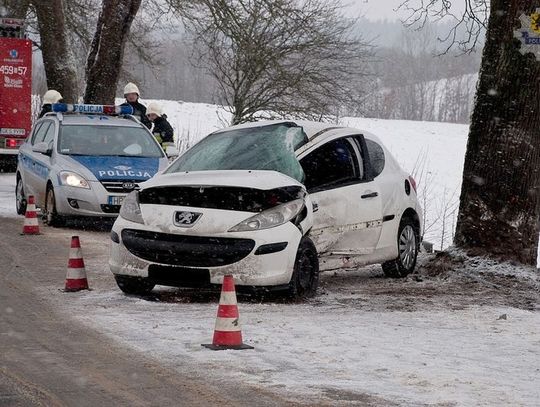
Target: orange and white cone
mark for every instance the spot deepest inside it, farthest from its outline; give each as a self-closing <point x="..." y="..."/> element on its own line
<point x="31" y="225"/>
<point x="227" y="333"/>
<point x="76" y="273"/>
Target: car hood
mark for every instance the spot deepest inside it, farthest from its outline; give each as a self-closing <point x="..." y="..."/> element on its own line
<point x="105" y="168"/>
<point x="264" y="180"/>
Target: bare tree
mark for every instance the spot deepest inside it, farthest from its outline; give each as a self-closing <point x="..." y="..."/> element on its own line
<point x="107" y="49"/>
<point x="280" y="58"/>
<point x="500" y="198"/>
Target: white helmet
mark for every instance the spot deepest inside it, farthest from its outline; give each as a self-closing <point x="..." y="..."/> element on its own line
<point x="154" y="108"/>
<point x="131" y="88"/>
<point x="51" y="96"/>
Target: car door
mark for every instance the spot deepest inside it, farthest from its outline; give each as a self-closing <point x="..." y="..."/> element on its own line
<point x="43" y="163"/>
<point x="36" y="173"/>
<point x="346" y="201"/>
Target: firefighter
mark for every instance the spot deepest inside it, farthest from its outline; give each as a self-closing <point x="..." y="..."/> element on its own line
<point x="132" y="94"/>
<point x="163" y="131"/>
<point x="49" y="98"/>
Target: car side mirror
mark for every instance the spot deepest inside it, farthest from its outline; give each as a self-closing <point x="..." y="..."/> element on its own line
<point x="172" y="152"/>
<point x="42" y="148"/>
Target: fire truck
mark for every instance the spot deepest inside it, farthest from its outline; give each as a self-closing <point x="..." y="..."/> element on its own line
<point x="15" y="89"/>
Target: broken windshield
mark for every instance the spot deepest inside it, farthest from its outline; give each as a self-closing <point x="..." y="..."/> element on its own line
<point x="255" y="148"/>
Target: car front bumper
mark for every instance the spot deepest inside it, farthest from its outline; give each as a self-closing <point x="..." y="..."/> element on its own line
<point x="254" y="258"/>
<point x="72" y="201"/>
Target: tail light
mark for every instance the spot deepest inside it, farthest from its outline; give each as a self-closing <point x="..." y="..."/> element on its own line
<point x="12" y="143"/>
<point x="413" y="183"/>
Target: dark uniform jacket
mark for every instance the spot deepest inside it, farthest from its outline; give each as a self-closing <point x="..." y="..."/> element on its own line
<point x="139" y="111"/>
<point x="46" y="108"/>
<point x="163" y="128"/>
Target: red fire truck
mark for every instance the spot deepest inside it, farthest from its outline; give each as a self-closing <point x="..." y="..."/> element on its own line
<point x="15" y="89"/>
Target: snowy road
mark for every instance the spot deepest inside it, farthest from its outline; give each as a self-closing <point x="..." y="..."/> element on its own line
<point x="450" y="339"/>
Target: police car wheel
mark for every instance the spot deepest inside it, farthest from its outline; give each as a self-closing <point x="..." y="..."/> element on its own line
<point x="134" y="285"/>
<point x="50" y="216"/>
<point x="305" y="277"/>
<point x="20" y="199"/>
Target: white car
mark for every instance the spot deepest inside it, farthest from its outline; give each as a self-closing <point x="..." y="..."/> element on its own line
<point x="271" y="203"/>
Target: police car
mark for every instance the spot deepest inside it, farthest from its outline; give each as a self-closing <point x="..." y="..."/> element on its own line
<point x="271" y="203"/>
<point x="82" y="160"/>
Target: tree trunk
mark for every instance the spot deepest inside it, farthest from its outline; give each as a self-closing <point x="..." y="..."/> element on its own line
<point x="60" y="67"/>
<point x="499" y="205"/>
<point x="107" y="50"/>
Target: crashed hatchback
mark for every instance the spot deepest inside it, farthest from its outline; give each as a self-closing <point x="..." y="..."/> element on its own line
<point x="272" y="203"/>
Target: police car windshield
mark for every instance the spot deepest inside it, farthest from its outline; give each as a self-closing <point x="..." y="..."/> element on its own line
<point x="107" y="141"/>
<point x="255" y="148"/>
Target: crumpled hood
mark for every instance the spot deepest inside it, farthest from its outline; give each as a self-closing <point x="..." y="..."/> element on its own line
<point x="119" y="168"/>
<point x="264" y="180"/>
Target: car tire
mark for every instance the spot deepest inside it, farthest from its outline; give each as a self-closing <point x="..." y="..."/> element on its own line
<point x="134" y="285"/>
<point x="305" y="277"/>
<point x="50" y="215"/>
<point x="20" y="199"/>
<point x="408" y="242"/>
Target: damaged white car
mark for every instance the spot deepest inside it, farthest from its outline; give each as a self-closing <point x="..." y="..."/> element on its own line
<point x="272" y="203"/>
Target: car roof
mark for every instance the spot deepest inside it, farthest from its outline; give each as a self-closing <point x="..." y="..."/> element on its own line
<point x="312" y="129"/>
<point x="94" y="120"/>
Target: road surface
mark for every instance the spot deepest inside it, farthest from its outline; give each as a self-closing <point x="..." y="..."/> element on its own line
<point x="52" y="361"/>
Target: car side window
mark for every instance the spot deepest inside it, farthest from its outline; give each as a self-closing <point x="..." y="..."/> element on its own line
<point x="49" y="136"/>
<point x="331" y="165"/>
<point x="34" y="134"/>
<point x="376" y="157"/>
<point x="40" y="134"/>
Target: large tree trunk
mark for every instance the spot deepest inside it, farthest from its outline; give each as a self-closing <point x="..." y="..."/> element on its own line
<point x="60" y="67"/>
<point x="499" y="205"/>
<point x="107" y="49"/>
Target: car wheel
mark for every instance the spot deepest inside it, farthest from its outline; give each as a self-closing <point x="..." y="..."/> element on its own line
<point x="408" y="244"/>
<point x="20" y="199"/>
<point x="134" y="285"/>
<point x="305" y="277"/>
<point x="50" y="215"/>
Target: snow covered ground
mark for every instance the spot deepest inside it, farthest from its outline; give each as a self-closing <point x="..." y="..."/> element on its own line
<point x="446" y="340"/>
<point x="7" y="195"/>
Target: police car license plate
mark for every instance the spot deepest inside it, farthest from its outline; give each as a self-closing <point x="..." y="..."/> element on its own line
<point x="116" y="200"/>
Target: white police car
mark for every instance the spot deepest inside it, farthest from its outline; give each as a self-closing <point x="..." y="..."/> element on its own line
<point x="271" y="203"/>
<point x="82" y="160"/>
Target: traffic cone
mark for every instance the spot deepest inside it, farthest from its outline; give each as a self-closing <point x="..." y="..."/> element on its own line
<point x="31" y="225"/>
<point x="227" y="333"/>
<point x="76" y="273"/>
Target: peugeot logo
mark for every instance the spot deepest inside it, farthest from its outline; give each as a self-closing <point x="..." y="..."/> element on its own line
<point x="128" y="185"/>
<point x="186" y="219"/>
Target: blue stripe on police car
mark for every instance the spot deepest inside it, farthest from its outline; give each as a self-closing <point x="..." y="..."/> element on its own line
<point x="120" y="168"/>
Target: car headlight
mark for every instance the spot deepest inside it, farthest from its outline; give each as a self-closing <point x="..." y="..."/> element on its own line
<point x="272" y="217"/>
<point x="130" y="209"/>
<point x="73" y="179"/>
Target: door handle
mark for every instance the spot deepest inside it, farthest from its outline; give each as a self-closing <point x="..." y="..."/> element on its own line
<point x="370" y="195"/>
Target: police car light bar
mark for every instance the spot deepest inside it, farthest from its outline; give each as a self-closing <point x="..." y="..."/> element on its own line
<point x="92" y="109"/>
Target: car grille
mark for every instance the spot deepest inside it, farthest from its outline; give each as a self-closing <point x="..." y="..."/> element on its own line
<point x="118" y="186"/>
<point x="188" y="251"/>
<point x="179" y="276"/>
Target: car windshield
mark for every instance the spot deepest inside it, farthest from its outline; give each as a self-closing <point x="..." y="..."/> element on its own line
<point x="255" y="148"/>
<point x="107" y="141"/>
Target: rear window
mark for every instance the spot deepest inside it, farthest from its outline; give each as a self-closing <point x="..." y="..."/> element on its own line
<point x="107" y="141"/>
